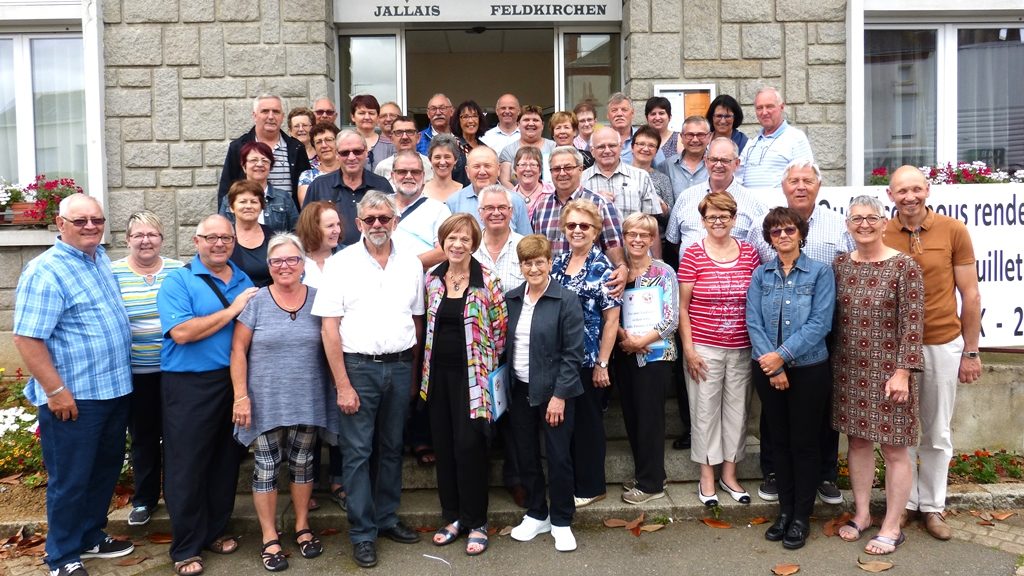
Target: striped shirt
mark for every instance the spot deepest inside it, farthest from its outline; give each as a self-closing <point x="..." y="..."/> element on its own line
<point x="139" y="298"/>
<point x="765" y="158"/>
<point x="827" y="237"/>
<point x="506" y="267"/>
<point x="629" y="189"/>
<point x="281" y="174"/>
<point x="70" y="301"/>
<point x="545" y="221"/>
<point x="718" y="305"/>
<point x="685" y="225"/>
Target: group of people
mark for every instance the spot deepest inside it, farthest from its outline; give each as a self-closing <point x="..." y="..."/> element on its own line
<point x="511" y="281"/>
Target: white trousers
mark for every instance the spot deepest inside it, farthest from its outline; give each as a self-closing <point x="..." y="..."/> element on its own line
<point x="929" y="461"/>
<point x="718" y="406"/>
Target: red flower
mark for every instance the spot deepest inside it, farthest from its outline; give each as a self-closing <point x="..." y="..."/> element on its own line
<point x="880" y="171"/>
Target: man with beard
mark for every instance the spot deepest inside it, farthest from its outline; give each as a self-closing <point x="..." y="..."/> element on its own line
<point x="346" y="187"/>
<point x="507" y="131"/>
<point x="372" y="304"/>
<point x="439" y="111"/>
<point x="482" y="169"/>
<point x="420" y="217"/>
<point x="405" y="137"/>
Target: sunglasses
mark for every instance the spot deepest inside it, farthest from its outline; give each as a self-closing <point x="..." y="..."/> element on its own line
<point x="787" y="230"/>
<point x="581" y="225"/>
<point x="83" y="222"/>
<point x="369" y="220"/>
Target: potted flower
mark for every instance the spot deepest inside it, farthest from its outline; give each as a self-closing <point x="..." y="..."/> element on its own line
<point x="9" y="195"/>
<point x="46" y="196"/>
<point x="976" y="172"/>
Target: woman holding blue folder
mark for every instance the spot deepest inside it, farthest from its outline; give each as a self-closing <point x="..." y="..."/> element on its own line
<point x="643" y="367"/>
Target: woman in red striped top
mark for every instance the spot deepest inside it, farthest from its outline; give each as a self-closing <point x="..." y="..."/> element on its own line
<point x="713" y="278"/>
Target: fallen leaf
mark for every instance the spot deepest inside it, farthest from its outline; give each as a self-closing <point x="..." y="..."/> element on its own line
<point x="636" y="522"/>
<point x="333" y="531"/>
<point x="785" y="569"/>
<point x="421" y="529"/>
<point x="975" y="513"/>
<point x="122" y="489"/>
<point x="505" y="531"/>
<point x="132" y="560"/>
<point x="831" y="527"/>
<point x="16" y="537"/>
<point x="759" y="520"/>
<point x="491" y="531"/>
<point x="985" y="523"/>
<point x="615" y="523"/>
<point x="12" y="479"/>
<point x="1002" y="515"/>
<point x="715" y="523"/>
<point x="31" y="541"/>
<point x="874" y="565"/>
<point x="160" y="538"/>
<point x="985" y="516"/>
<point x="121" y="500"/>
<point x="652" y="527"/>
<point x="635" y="530"/>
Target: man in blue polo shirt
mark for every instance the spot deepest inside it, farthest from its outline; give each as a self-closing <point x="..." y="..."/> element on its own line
<point x="198" y="305"/>
<point x="72" y="332"/>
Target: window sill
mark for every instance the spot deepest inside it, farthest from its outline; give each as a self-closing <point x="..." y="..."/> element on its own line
<point x="12" y="236"/>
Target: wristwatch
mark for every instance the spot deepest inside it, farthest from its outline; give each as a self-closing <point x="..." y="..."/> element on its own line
<point x="602" y="364"/>
<point x="971" y="354"/>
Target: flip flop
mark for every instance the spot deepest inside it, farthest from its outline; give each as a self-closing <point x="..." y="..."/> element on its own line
<point x="482" y="542"/>
<point x="179" y="566"/>
<point x="888" y="545"/>
<point x="849" y="524"/>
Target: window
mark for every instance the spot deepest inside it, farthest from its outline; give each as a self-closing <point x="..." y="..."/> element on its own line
<point x="42" y="108"/>
<point x="592" y="69"/>
<point x="369" y="65"/>
<point x="990" y="97"/>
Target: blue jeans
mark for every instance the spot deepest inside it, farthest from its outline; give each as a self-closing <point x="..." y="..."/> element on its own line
<point x="83" y="460"/>
<point x="384" y="391"/>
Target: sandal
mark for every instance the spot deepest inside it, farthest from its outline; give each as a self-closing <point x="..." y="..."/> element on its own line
<point x="447" y="536"/>
<point x="885" y="544"/>
<point x="424" y="456"/>
<point x="223" y="545"/>
<point x="340" y="498"/>
<point x="309" y="548"/>
<point x="274" y="561"/>
<point x="482" y="542"/>
<point x="850" y="524"/>
<point x="179" y="566"/>
<point x="313" y="504"/>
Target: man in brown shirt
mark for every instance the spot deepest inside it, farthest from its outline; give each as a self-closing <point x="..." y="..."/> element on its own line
<point x="943" y="249"/>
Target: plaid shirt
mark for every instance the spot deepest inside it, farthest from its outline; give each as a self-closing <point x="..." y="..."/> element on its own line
<point x="545" y="221"/>
<point x="72" y="303"/>
<point x="629" y="189"/>
<point x="685" y="225"/>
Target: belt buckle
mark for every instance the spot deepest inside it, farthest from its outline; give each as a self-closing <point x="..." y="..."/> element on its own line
<point x="377" y="358"/>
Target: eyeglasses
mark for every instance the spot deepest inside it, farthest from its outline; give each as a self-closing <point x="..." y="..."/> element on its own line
<point x="724" y="116"/>
<point x="151" y="236"/>
<point x="401" y="133"/>
<point x="637" y="235"/>
<point x="718" y="218"/>
<point x="325" y="112"/>
<point x="388" y="116"/>
<point x="490" y="209"/>
<point x="352" y="152"/>
<point x="533" y="165"/>
<point x="787" y="230"/>
<point x="322" y="141"/>
<point x="606" y="146"/>
<point x="583" y="226"/>
<point x="723" y="161"/>
<point x="644" y="145"/>
<point x="469" y="116"/>
<point x="858" y="220"/>
<point x="301" y="126"/>
<point x="566" y="169"/>
<point x="83" y="222"/>
<point x="694" y="135"/>
<point x="261" y="161"/>
<point x="369" y="220"/>
<point x="214" y="238"/>
<point x="436" y="109"/>
<point x="290" y="261"/>
<point x="400" y="172"/>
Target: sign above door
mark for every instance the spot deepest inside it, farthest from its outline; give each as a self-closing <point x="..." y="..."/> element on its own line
<point x="490" y="11"/>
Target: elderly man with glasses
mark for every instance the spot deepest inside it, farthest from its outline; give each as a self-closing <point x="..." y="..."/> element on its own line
<point x="346" y="187"/>
<point x="766" y="155"/>
<point x="325" y="111"/>
<point x="687" y="169"/>
<point x="439" y="113"/>
<point x="405" y="138"/>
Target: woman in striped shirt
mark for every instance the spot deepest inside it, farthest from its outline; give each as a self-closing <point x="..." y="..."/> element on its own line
<point x="713" y="278"/>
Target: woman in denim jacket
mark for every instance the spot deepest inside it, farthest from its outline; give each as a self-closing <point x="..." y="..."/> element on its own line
<point x="789" y="313"/>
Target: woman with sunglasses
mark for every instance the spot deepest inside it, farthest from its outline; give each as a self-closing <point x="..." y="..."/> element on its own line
<point x="713" y="278"/>
<point x="585" y="270"/>
<point x="282" y="395"/>
<point x="789" y="313"/>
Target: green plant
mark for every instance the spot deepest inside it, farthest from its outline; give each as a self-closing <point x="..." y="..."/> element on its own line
<point x="9" y="194"/>
<point x="843" y="479"/>
<point x="985" y="467"/>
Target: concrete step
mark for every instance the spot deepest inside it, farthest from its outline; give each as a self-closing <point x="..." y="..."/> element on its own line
<point x="420" y="508"/>
<point x="618" y="467"/>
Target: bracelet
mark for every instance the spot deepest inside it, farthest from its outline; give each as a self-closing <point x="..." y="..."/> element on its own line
<point x="57" y="391"/>
<point x="246" y="397"/>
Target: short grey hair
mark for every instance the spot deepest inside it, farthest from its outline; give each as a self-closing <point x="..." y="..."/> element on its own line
<point x="618" y="97"/>
<point x="377" y="199"/>
<point x="800" y="164"/>
<point x="283" y="238"/>
<point x="735" y="148"/>
<point x="65" y="204"/>
<point x="773" y="90"/>
<point x="256" y="102"/>
<point x="869" y="201"/>
<point x="144" y="218"/>
<point x="566" y="150"/>
<point x="698" y="120"/>
<point x="446" y="141"/>
<point x="408" y="154"/>
<point x="495" y="189"/>
<point x="350" y="132"/>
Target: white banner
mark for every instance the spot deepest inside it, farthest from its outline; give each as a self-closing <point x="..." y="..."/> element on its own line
<point x="994" y="214"/>
<point x="486" y="12"/>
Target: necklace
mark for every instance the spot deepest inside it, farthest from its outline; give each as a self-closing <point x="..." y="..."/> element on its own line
<point x="456" y="281"/>
<point x="291" y="310"/>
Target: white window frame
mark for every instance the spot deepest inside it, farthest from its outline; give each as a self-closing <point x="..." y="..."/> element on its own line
<point x="560" y="32"/>
<point x="400" y="80"/>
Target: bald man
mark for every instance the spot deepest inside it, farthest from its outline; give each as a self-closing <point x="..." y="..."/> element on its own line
<point x="482" y="170"/>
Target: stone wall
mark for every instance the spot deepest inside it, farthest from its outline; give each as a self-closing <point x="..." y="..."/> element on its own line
<point x="798" y="46"/>
<point x="180" y="79"/>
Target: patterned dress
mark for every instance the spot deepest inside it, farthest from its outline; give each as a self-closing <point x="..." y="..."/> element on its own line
<point x="878" y="329"/>
<point x="590" y="285"/>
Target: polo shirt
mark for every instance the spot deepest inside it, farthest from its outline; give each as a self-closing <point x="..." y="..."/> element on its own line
<point x="765" y="158"/>
<point x="827" y="237"/>
<point x="331" y="187"/>
<point x="70" y="301"/>
<point x="496" y="139"/>
<point x="184" y="295"/>
<point x="685" y="225"/>
<point x="466" y="200"/>
<point x="944" y="243"/>
<point x="417" y="228"/>
<point x="376" y="305"/>
<point x="680" y="175"/>
<point x="549" y="210"/>
<point x="629" y="189"/>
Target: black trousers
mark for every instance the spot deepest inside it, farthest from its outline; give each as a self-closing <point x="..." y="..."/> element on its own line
<point x="527" y="424"/>
<point x="145" y="424"/>
<point x="201" y="458"/>
<point x="588" y="439"/>
<point x="793" y="418"/>
<point x="460" y="444"/>
<point x="642" y="393"/>
<point x="828" y="442"/>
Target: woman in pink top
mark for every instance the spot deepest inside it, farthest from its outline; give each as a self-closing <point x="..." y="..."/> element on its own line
<point x="713" y="278"/>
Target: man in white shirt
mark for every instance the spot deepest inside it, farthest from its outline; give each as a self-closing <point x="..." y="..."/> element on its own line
<point x="766" y="155"/>
<point x="372" y="304"/>
<point x="507" y="109"/>
<point x="420" y="217"/>
<point x="405" y="137"/>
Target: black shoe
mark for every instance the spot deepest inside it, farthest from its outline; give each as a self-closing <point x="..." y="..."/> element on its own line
<point x="681" y="443"/>
<point x="140" y="515"/>
<point x="769" y="489"/>
<point x="70" y="569"/>
<point x="365" y="554"/>
<point x="401" y="533"/>
<point x="829" y="493"/>
<point x="778" y="530"/>
<point x="109" y="548"/>
<point x="796" y="535"/>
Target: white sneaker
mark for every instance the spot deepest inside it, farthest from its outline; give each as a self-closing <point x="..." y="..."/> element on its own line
<point x="529" y="528"/>
<point x="564" y="540"/>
